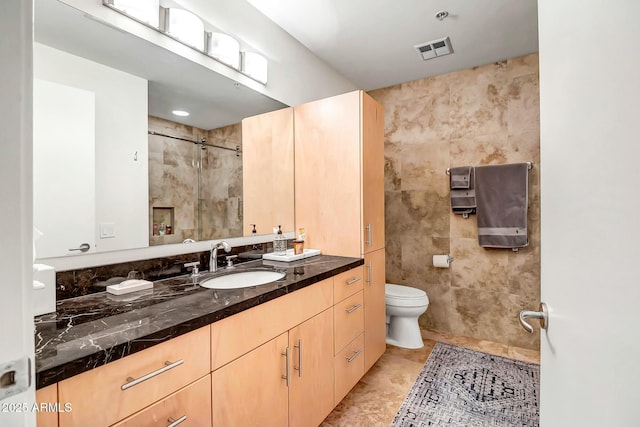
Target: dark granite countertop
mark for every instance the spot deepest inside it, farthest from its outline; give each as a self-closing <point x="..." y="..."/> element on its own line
<point x="92" y="330"/>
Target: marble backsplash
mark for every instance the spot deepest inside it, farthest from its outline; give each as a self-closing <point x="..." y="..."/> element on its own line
<point x="480" y="116"/>
<point x="84" y="281"/>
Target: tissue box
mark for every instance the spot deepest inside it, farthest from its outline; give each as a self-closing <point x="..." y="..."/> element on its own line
<point x="44" y="289"/>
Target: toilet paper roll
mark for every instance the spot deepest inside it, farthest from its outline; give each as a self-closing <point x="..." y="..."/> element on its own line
<point x="441" y="261"/>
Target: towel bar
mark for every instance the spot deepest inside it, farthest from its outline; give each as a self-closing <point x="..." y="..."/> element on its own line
<point x="529" y="166"/>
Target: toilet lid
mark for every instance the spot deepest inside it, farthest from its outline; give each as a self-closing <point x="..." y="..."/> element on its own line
<point x="403" y="292"/>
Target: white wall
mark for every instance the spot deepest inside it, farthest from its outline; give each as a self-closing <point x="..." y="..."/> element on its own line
<point x="120" y="136"/>
<point x="15" y="193"/>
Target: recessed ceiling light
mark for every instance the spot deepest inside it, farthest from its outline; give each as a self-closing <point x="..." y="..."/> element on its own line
<point x="180" y="113"/>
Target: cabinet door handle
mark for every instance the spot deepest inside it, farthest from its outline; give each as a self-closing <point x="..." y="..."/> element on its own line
<point x="370" y="278"/>
<point x="174" y="423"/>
<point x="135" y="381"/>
<point x="353" y="308"/>
<point x="286" y="376"/>
<point x="369" y="241"/>
<point x="299" y="368"/>
<point x="353" y="356"/>
<point x="354" y="280"/>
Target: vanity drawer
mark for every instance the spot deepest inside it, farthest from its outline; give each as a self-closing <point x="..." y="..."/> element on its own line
<point x="98" y="398"/>
<point x="348" y="283"/>
<point x="348" y="367"/>
<point x="192" y="403"/>
<point x="238" y="334"/>
<point x="348" y="320"/>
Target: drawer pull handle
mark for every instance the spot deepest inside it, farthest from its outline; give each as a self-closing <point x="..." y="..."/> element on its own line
<point x="354" y="308"/>
<point x="299" y="368"/>
<point x="354" y="280"/>
<point x="370" y="268"/>
<point x="353" y="356"/>
<point x="174" y="423"/>
<point x="286" y="376"/>
<point x="135" y="381"/>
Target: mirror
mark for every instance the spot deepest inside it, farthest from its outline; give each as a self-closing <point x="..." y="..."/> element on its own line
<point x="174" y="75"/>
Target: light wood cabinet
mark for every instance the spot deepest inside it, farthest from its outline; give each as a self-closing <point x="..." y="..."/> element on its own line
<point x="109" y="393"/>
<point x="311" y="394"/>
<point x="286" y="381"/>
<point x="191" y="407"/>
<point x="347" y="283"/>
<point x="374" y="302"/>
<point x="349" y="367"/>
<point x="339" y="188"/>
<point x="267" y="171"/>
<point x="348" y="316"/>
<point x="266" y="321"/>
<point x="47" y="417"/>
<point x="252" y="390"/>
<point x="339" y="173"/>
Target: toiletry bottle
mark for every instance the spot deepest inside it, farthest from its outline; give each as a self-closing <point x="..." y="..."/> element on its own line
<point x="280" y="243"/>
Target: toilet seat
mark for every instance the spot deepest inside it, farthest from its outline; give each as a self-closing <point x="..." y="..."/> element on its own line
<point x="405" y="296"/>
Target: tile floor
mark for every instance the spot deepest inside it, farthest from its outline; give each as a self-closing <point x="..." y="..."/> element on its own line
<point x="375" y="400"/>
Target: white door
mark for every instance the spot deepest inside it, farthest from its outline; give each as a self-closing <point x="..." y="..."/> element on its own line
<point x="15" y="194"/>
<point x="63" y="158"/>
<point x="590" y="189"/>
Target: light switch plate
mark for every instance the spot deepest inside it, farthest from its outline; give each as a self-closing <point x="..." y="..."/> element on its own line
<point x="15" y="377"/>
<point x="107" y="230"/>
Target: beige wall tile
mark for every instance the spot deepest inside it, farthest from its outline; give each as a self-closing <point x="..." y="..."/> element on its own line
<point x="524" y="103"/>
<point x="484" y="115"/>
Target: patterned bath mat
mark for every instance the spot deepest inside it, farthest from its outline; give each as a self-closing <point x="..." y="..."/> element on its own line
<point x="465" y="388"/>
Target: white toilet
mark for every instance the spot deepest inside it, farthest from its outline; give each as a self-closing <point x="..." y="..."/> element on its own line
<point x="404" y="305"/>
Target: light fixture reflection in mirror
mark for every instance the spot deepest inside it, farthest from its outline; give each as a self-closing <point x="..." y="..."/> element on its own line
<point x="186" y="27"/>
<point x="143" y="10"/>
<point x="255" y="66"/>
<point x="224" y="48"/>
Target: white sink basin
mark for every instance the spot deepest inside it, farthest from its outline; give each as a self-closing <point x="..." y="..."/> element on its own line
<point x="241" y="279"/>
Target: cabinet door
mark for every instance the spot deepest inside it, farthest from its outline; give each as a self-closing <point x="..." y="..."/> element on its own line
<point x="311" y="392"/>
<point x="267" y="171"/>
<point x="372" y="174"/>
<point x="327" y="174"/>
<point x="374" y="308"/>
<point x="49" y="396"/>
<point x="251" y="390"/>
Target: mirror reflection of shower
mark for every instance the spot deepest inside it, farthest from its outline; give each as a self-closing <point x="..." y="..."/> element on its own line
<point x="195" y="182"/>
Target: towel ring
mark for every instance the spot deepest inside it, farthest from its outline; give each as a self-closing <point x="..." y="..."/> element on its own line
<point x="529" y="167"/>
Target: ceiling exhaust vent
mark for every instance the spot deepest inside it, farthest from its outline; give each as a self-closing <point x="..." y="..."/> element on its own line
<point x="434" y="48"/>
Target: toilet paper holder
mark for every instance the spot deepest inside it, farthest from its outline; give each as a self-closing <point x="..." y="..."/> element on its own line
<point x="438" y="259"/>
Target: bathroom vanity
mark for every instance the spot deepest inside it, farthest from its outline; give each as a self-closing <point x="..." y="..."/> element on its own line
<point x="283" y="353"/>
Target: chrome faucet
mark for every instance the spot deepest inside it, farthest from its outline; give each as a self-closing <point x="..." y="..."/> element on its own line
<point x="213" y="259"/>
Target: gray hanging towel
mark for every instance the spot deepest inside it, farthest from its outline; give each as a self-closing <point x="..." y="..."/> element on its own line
<point x="463" y="193"/>
<point x="502" y="193"/>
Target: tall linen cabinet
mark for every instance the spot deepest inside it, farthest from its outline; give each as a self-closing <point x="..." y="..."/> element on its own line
<point x="339" y="193"/>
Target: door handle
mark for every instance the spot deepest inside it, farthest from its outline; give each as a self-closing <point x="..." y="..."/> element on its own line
<point x="83" y="248"/>
<point x="542" y="315"/>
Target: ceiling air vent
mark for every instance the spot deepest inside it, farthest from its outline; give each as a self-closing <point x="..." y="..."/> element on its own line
<point x="434" y="48"/>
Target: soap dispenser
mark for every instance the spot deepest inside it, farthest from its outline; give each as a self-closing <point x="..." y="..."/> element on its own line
<point x="279" y="243"/>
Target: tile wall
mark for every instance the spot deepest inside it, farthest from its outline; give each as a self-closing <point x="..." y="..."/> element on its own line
<point x="484" y="115"/>
<point x="213" y="212"/>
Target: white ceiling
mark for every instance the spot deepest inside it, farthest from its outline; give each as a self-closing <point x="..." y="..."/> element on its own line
<point x="371" y="41"/>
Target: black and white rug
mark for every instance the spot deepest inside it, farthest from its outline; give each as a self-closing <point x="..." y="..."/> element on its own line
<point x="465" y="388"/>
